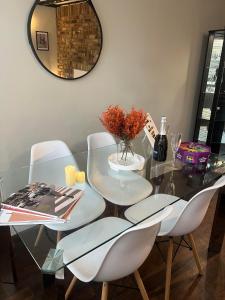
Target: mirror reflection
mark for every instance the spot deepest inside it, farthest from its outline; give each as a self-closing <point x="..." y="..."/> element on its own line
<point x="65" y="36"/>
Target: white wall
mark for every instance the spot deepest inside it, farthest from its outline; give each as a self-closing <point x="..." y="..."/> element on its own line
<point x="44" y="19"/>
<point x="151" y="58"/>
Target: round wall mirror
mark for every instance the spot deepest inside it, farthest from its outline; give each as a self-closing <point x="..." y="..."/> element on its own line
<point x="65" y="36"/>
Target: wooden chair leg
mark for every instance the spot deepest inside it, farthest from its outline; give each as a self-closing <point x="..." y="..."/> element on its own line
<point x="141" y="285"/>
<point x="195" y="253"/>
<point x="105" y="290"/>
<point x="69" y="290"/>
<point x="41" y="229"/>
<point x="169" y="268"/>
<point x="58" y="238"/>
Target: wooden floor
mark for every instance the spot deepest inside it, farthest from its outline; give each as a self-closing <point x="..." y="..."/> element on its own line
<point x="186" y="284"/>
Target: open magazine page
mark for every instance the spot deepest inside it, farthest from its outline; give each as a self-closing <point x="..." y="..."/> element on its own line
<point x="8" y="217"/>
<point x="40" y="199"/>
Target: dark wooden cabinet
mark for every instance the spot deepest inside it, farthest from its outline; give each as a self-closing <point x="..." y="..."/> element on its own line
<point x="210" y="121"/>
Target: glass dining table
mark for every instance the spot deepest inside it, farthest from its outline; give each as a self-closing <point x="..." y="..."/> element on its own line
<point x="108" y="193"/>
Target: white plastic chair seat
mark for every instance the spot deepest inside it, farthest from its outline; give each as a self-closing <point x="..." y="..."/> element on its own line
<point x="184" y="219"/>
<point x="86" y="239"/>
<point x="148" y="207"/>
<point x="90" y="207"/>
<point x="188" y="215"/>
<point x="48" y="160"/>
<point x="115" y="259"/>
<point x="122" y="188"/>
<point x="126" y="191"/>
<point x="169" y="222"/>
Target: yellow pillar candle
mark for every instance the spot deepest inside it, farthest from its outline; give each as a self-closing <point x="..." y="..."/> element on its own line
<point x="80" y="177"/>
<point x="70" y="175"/>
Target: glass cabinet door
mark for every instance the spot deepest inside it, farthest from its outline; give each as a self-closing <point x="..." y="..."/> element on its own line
<point x="218" y="126"/>
<point x="209" y="87"/>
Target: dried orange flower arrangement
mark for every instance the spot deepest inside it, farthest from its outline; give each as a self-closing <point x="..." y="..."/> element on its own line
<point x="125" y="126"/>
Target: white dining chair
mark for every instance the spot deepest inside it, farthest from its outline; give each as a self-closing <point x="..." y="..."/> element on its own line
<point x="47" y="162"/>
<point x="118" y="187"/>
<point x="100" y="139"/>
<point x="184" y="219"/>
<point x="117" y="258"/>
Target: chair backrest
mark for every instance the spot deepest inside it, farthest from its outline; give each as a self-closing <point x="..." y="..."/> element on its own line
<point x="48" y="151"/>
<point x="130" y="249"/>
<point x="95" y="141"/>
<point x="102" y="178"/>
<point x="100" y="139"/>
<point x="193" y="213"/>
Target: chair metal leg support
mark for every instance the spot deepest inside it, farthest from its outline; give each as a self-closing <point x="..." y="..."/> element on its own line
<point x="178" y="247"/>
<point x="141" y="285"/>
<point x="69" y="290"/>
<point x="105" y="290"/>
<point x="160" y="251"/>
<point x="169" y="268"/>
<point x="196" y="256"/>
<point x="39" y="235"/>
<point x="58" y="238"/>
<point x="187" y="244"/>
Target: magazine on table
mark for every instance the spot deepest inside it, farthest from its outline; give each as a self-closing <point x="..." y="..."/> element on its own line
<point x="9" y="217"/>
<point x="40" y="203"/>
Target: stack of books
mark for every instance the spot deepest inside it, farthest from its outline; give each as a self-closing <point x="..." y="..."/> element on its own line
<point x="39" y="203"/>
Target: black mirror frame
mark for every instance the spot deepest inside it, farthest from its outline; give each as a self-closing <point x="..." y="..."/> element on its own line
<point x="33" y="48"/>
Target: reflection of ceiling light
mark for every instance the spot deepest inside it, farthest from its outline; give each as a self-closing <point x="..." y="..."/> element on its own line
<point x="67" y="2"/>
<point x="59" y="2"/>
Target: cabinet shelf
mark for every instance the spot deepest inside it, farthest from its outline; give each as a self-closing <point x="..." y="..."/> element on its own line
<point x="204" y="122"/>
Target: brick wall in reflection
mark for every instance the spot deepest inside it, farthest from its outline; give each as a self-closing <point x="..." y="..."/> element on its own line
<point x="78" y="37"/>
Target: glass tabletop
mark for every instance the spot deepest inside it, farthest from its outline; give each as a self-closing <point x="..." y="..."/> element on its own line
<point x="102" y="212"/>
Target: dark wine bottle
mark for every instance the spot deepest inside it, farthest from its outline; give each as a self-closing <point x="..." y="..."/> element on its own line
<point x="161" y="143"/>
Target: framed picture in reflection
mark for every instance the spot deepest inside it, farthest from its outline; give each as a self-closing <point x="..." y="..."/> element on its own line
<point x="42" y="40"/>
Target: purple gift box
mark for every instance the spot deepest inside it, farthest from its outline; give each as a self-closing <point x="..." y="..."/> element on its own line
<point x="194" y="153"/>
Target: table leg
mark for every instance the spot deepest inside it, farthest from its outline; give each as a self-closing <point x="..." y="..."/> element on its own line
<point x="7" y="265"/>
<point x="54" y="288"/>
<point x="218" y="227"/>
